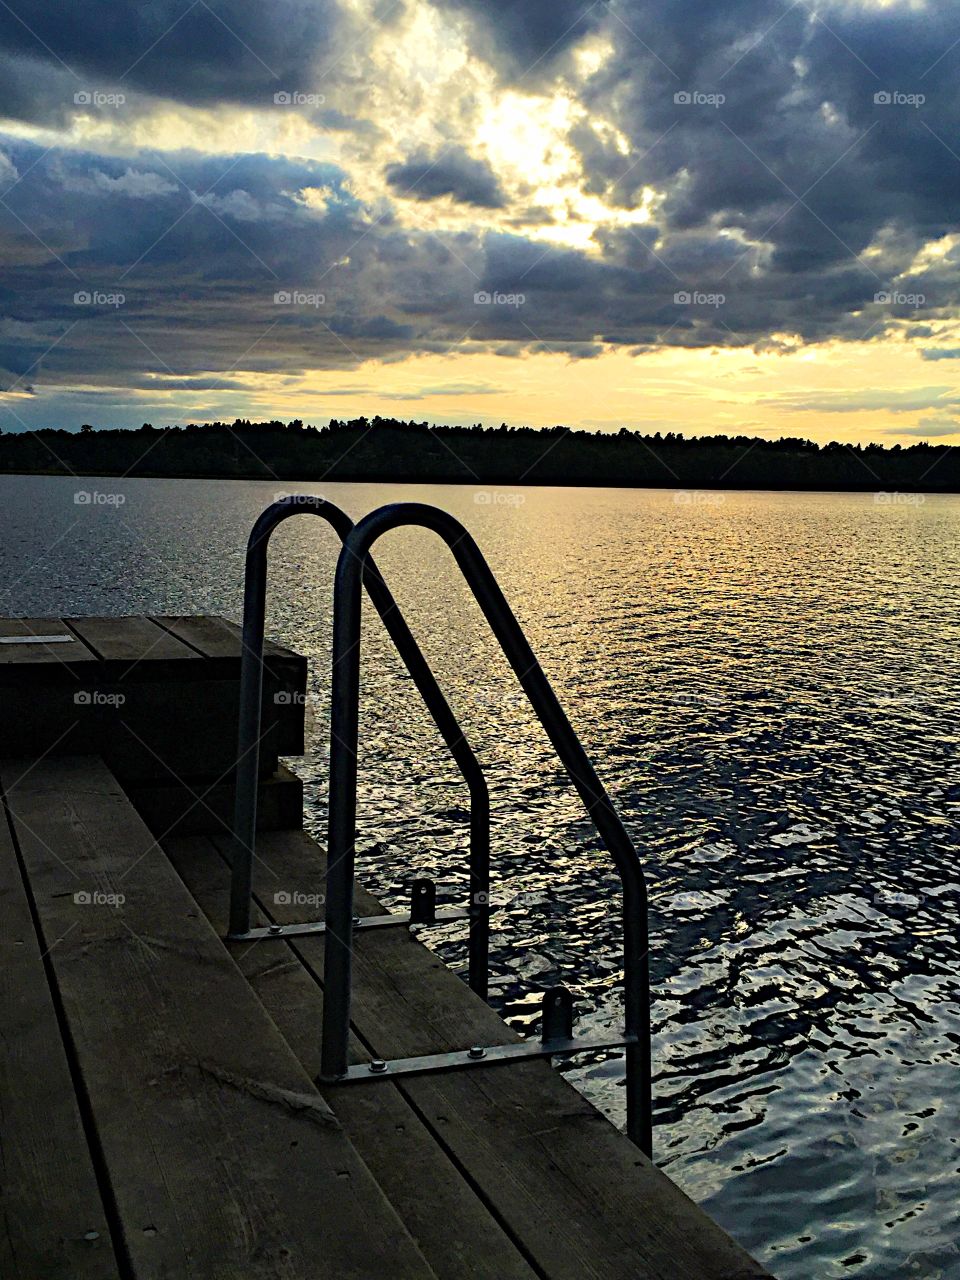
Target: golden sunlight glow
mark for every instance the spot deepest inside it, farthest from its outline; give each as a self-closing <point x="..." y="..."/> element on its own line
<point x="933" y="253"/>
<point x="525" y="137"/>
<point x="838" y="391"/>
<point x="590" y="56"/>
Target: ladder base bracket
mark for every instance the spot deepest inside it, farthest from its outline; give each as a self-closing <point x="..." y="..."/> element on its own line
<point x="387" y="921"/>
<point x="478" y="1056"/>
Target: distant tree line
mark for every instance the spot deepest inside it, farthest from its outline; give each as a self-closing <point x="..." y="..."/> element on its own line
<point x="387" y="449"/>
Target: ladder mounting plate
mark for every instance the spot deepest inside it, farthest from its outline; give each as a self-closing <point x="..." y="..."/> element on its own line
<point x="389" y="920"/>
<point x="478" y="1056"/>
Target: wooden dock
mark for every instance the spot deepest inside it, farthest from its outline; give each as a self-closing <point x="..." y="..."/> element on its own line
<point x="159" y="1113"/>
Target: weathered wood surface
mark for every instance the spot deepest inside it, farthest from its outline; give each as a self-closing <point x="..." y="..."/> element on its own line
<point x="217" y="637"/>
<point x="53" y="1225"/>
<point x="126" y="642"/>
<point x="33" y="656"/>
<point x="158" y="698"/>
<point x="576" y="1196"/>
<point x="224" y="1161"/>
<point x="285" y="672"/>
<point x="456" y="1231"/>
<point x="179" y="807"/>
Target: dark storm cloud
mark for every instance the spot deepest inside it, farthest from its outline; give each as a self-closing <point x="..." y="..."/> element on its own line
<point x="523" y="38"/>
<point x="451" y="172"/>
<point x="806" y="151"/>
<point x="815" y="132"/>
<point x="190" y="50"/>
<point x="179" y="266"/>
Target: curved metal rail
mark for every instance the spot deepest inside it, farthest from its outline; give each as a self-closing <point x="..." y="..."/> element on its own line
<point x="351" y="569"/>
<point x="248" y="736"/>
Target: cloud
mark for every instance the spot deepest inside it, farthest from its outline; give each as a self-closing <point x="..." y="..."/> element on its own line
<point x="907" y="400"/>
<point x="927" y="427"/>
<point x="8" y="171"/>
<point x="222" y="51"/>
<point x="803" y="162"/>
<point x="442" y="389"/>
<point x="451" y="172"/>
<point x="526" y="40"/>
<point x="135" y="183"/>
<point x="782" y="198"/>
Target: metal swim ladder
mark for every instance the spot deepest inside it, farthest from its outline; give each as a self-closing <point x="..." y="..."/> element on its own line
<point x="423" y="897"/>
<point x="355" y="570"/>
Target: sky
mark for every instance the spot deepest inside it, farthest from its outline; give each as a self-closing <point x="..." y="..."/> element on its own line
<point x="733" y="217"/>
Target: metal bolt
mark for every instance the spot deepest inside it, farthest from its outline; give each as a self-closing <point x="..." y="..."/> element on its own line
<point x="276" y="928"/>
<point x="476" y="1052"/>
<point x="377" y="1066"/>
<point x="356" y="921"/>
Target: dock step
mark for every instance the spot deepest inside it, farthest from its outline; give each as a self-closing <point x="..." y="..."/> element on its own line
<point x="157" y="698"/>
<point x="215" y="1156"/>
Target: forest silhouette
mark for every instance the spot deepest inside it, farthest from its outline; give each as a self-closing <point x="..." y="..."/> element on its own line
<point x="385" y="449"/>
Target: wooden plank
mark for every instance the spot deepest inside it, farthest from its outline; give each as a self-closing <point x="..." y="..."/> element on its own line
<point x="582" y="1199"/>
<point x="137" y="699"/>
<point x="52" y="1219"/>
<point x="131" y="640"/>
<point x="136" y="692"/>
<point x="190" y="808"/>
<point x="455" y="1230"/>
<point x="165" y="731"/>
<point x="223" y="1159"/>
<point x="147" y="730"/>
<point x="20" y="655"/>
<point x="212" y="637"/>
<point x="285" y="672"/>
<point x="217" y="637"/>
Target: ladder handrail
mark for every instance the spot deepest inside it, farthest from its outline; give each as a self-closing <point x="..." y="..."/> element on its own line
<point x="248" y="733"/>
<point x="344" y="730"/>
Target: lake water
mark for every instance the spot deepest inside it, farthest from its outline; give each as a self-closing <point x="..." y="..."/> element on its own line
<point x="769" y="685"/>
